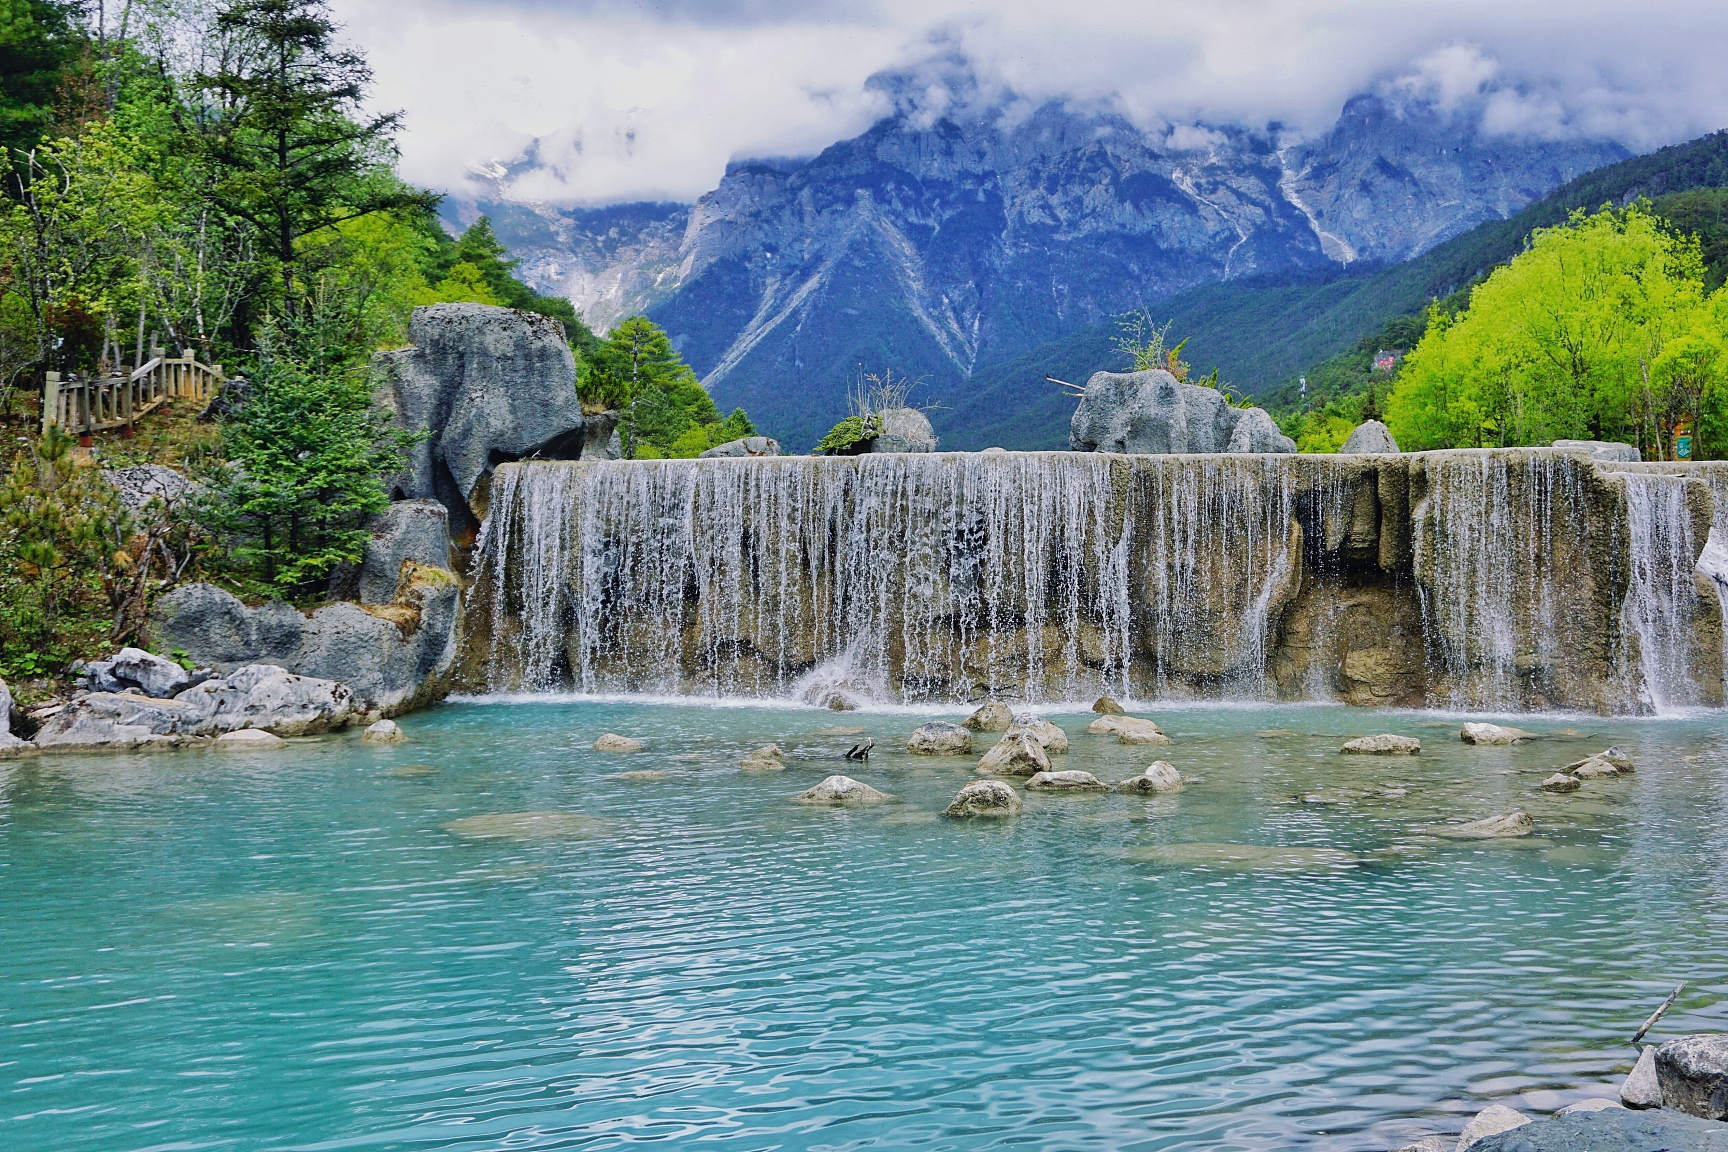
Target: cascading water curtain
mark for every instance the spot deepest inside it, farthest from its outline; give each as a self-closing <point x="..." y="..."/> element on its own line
<point x="1660" y="595"/>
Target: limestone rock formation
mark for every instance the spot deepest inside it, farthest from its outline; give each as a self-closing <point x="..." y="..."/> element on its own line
<point x="488" y="384"/>
<point x="417" y="530"/>
<point x="1128" y="730"/>
<point x="1560" y="782"/>
<point x="1370" y="437"/>
<point x="1107" y="706"/>
<point x="1693" y="1073"/>
<point x="841" y="791"/>
<point x="257" y="696"/>
<point x="612" y="742"/>
<point x="1491" y="734"/>
<point x="1641" y="1089"/>
<point x="383" y="732"/>
<point x="903" y="430"/>
<point x="137" y="669"/>
<point x="1160" y="776"/>
<point x="139" y="484"/>
<point x="9" y="743"/>
<point x="1049" y="736"/>
<point x="1153" y="412"/>
<point x="111" y="721"/>
<point x="249" y="740"/>
<point x="1067" y="781"/>
<point x="1492" y="1119"/>
<point x="1018" y="753"/>
<point x="1508" y="826"/>
<point x="939" y="738"/>
<point x="993" y="716"/>
<point x="768" y="758"/>
<point x="1384" y="744"/>
<point x="747" y="446"/>
<point x="395" y="658"/>
<point x="1611" y="1130"/>
<point x="987" y="798"/>
<point x="1605" y="451"/>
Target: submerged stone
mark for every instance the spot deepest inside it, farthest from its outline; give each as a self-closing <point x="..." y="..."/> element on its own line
<point x="545" y="825"/>
<point x="768" y="758"/>
<point x="842" y="791"/>
<point x="612" y="742"/>
<point x="1384" y="744"/>
<point x="1508" y="826"/>
<point x="1560" y="782"/>
<point x="249" y="740"/>
<point x="1069" y="781"/>
<point x="411" y="770"/>
<point x="1159" y="776"/>
<point x="1244" y="857"/>
<point x="384" y="732"/>
<point x="939" y="738"/>
<point x="840" y="731"/>
<point x="641" y="776"/>
<point x="985" y="798"/>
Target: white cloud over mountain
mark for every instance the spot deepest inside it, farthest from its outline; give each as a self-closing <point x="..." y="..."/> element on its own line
<point x="601" y="101"/>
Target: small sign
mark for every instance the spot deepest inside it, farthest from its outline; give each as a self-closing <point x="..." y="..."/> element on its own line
<point x="1683" y="447"/>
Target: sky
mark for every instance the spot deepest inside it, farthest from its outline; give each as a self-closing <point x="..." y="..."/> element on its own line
<point x="590" y="102"/>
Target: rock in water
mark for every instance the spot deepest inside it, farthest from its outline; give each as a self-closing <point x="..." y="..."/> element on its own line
<point x="991" y="717"/>
<point x="1106" y="706"/>
<point x="1370" y="436"/>
<point x="1560" y="782"/>
<point x="135" y="668"/>
<point x="1641" y="1088"/>
<point x="612" y="742"/>
<point x="1016" y="754"/>
<point x="1595" y="1104"/>
<point x="1384" y="744"/>
<point x="1152" y="412"/>
<point x="841" y="790"/>
<point x="1430" y="1144"/>
<point x="1128" y="730"/>
<point x="1054" y="740"/>
<point x="984" y="798"/>
<point x="1693" y="1073"/>
<point x="748" y="446"/>
<point x="529" y="826"/>
<point x="1492" y="1119"/>
<point x="1491" y="734"/>
<point x="1509" y="826"/>
<point x="1591" y="768"/>
<point x="1160" y="776"/>
<point x="1612" y="1130"/>
<point x="249" y="740"/>
<point x="939" y="738"/>
<point x="768" y="758"/>
<point x="1071" y="781"/>
<point x="1617" y="758"/>
<point x="384" y="732"/>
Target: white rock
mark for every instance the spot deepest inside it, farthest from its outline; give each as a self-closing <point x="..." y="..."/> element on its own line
<point x="1159" y="776"/>
<point x="1492" y="734"/>
<point x="249" y="740"/>
<point x="993" y="716"/>
<point x="987" y="798"/>
<point x="841" y="790"/>
<point x="384" y="732"/>
<point x="1560" y="782"/>
<point x="1492" y="1119"/>
<point x="1641" y="1089"/>
<point x="1128" y="730"/>
<point x="939" y="738"/>
<point x="1016" y="754"/>
<point x="1053" y="739"/>
<point x="1384" y="744"/>
<point x="612" y="742"/>
<point x="151" y="674"/>
<point x="1070" y="781"/>
<point x="1508" y="826"/>
<point x="768" y="758"/>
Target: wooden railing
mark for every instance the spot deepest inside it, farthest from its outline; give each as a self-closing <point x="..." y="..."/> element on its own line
<point x="118" y="400"/>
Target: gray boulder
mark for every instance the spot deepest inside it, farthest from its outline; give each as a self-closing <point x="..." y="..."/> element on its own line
<point x="748" y="446"/>
<point x="144" y="671"/>
<point x="8" y="742"/>
<point x="1693" y="1072"/>
<point x="489" y="385"/>
<point x="939" y="738"/>
<point x="841" y="791"/>
<point x="141" y="483"/>
<point x="1153" y="412"/>
<point x="394" y="659"/>
<point x="1492" y="1119"/>
<point x="417" y="530"/>
<point x="1641" y="1089"/>
<point x="1072" y="780"/>
<point x="1603" y="451"/>
<point x="984" y="798"/>
<point x="993" y="716"/>
<point x="1018" y="753"/>
<point x="1370" y="437"/>
<point x="259" y="696"/>
<point x="1611" y="1130"/>
<point x="1159" y="776"/>
<point x="1509" y="826"/>
<point x="117" y="721"/>
<point x="903" y="430"/>
<point x="1385" y="744"/>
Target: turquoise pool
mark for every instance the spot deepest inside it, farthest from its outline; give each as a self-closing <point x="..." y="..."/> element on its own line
<point x="292" y="951"/>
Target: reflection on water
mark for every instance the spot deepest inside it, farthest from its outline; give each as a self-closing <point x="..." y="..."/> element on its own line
<point x="495" y="936"/>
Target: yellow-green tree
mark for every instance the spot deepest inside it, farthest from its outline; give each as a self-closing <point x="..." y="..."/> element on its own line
<point x="1601" y="329"/>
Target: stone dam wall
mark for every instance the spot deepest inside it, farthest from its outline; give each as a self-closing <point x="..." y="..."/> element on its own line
<point x="1505" y="579"/>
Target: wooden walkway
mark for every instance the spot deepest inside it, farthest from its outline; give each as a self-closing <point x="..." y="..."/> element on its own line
<point x="101" y="404"/>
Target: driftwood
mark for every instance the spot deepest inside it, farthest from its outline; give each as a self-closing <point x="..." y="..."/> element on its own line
<point x="1657" y="1015"/>
<point x="1078" y="389"/>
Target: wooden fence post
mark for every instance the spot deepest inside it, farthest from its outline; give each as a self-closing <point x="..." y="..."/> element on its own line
<point x="50" y="400"/>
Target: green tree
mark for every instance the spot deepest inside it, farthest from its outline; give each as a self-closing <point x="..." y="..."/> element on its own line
<point x="636" y="369"/>
<point x="309" y="450"/>
<point x="38" y="39"/>
<point x="280" y="128"/>
<point x="480" y="249"/>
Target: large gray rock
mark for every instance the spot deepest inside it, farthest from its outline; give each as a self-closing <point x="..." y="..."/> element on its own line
<point x="841" y="791"/>
<point x="417" y="530"/>
<point x="489" y="385"/>
<point x="1370" y="436"/>
<point x="1153" y="412"/>
<point x="147" y="672"/>
<point x="1018" y="753"/>
<point x="141" y="483"/>
<point x="1492" y="1119"/>
<point x="115" y="721"/>
<point x="1604" y="451"/>
<point x="1641" y="1089"/>
<point x="1693" y="1072"/>
<point x="1611" y="1130"/>
<point x="988" y="798"/>
<point x="903" y="430"/>
<point x="8" y="742"/>
<point x="394" y="659"/>
<point x="261" y="696"/>
<point x="939" y="738"/>
<point x="748" y="446"/>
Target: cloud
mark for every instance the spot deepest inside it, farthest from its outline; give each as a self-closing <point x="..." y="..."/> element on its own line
<point x="649" y="99"/>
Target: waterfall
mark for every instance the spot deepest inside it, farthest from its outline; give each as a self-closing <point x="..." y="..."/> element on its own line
<point x="1660" y="596"/>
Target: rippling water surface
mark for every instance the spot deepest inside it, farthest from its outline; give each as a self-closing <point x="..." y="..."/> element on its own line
<point x="293" y="950"/>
